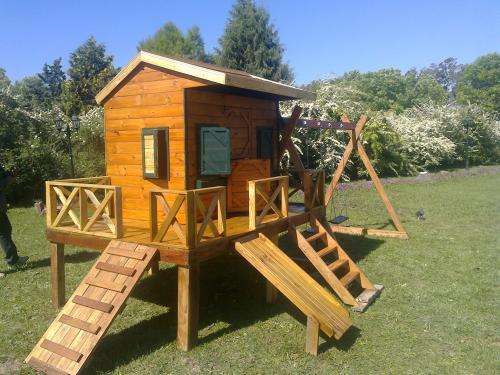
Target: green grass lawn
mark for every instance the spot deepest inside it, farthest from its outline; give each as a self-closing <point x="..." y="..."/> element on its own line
<point x="438" y="313"/>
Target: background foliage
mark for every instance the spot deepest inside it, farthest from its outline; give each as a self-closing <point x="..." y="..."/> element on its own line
<point x="418" y="120"/>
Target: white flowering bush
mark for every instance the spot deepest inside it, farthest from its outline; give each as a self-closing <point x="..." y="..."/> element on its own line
<point x="427" y="136"/>
<point x="423" y="132"/>
<point x="89" y="143"/>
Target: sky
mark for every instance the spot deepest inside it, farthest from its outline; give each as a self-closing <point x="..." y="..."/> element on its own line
<point x="322" y="38"/>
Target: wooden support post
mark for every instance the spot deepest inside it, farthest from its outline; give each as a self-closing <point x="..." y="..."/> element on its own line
<point x="312" y="336"/>
<point x="154" y="268"/>
<point x="187" y="306"/>
<point x="57" y="283"/>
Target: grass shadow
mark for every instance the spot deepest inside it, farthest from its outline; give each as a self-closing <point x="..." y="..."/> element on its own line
<point x="231" y="291"/>
<point x="358" y="247"/>
<point x="78" y="257"/>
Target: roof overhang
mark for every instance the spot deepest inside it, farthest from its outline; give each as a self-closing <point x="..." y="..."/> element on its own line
<point x="203" y="71"/>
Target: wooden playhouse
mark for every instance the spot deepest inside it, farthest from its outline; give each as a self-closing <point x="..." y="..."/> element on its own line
<point x="192" y="171"/>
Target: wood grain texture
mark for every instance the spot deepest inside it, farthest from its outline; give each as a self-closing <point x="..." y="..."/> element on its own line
<point x="57" y="275"/>
<point x="75" y="328"/>
<point x="187" y="306"/>
<point x="295" y="284"/>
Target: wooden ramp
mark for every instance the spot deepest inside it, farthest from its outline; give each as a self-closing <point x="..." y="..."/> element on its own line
<point x="311" y="298"/>
<point x="343" y="275"/>
<point x="83" y="321"/>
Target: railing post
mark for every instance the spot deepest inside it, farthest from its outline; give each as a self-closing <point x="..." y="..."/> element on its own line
<point x="118" y="212"/>
<point x="190" y="219"/>
<point x="308" y="189"/>
<point x="321" y="187"/>
<point x="84" y="217"/>
<point x="284" y="196"/>
<point x="50" y="204"/>
<point x="252" y="205"/>
<point x="153" y="215"/>
<point x="221" y="214"/>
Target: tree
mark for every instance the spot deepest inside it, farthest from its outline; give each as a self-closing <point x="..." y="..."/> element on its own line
<point x="90" y="70"/>
<point x="446" y="73"/>
<point x="194" y="47"/>
<point x="4" y="80"/>
<point x="170" y="41"/>
<point x="32" y="93"/>
<point x="53" y="77"/>
<point x="251" y="43"/>
<point x="480" y="83"/>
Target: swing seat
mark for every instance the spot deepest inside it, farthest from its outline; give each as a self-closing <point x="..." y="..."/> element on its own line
<point x="339" y="219"/>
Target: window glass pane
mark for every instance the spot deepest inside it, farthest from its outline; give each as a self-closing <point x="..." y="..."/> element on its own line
<point x="149" y="154"/>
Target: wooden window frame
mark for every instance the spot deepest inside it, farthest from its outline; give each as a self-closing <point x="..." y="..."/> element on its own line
<point x="161" y="152"/>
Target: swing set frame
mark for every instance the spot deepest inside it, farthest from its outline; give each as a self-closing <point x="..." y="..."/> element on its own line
<point x="355" y="145"/>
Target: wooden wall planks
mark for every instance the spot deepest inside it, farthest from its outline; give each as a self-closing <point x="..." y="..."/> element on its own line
<point x="150" y="98"/>
<point x="241" y="114"/>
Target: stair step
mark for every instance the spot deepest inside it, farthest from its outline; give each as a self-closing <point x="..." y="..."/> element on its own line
<point x="127" y="271"/>
<point x="61" y="350"/>
<point x="327" y="250"/>
<point x="105" y="284"/>
<point x="315" y="236"/>
<point x="93" y="304"/>
<point x="337" y="264"/>
<point x="349" y="277"/>
<point x="80" y="324"/>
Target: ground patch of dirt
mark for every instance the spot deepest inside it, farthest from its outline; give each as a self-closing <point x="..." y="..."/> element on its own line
<point x="9" y="366"/>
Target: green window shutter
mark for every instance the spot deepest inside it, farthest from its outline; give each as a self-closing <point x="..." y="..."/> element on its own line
<point x="215" y="151"/>
<point x="265" y="143"/>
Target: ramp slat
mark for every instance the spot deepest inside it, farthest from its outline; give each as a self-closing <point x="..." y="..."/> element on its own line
<point x="61" y="350"/>
<point x="90" y="310"/>
<point x="104" y="284"/>
<point x="45" y="367"/>
<point x="79" y="323"/>
<point x="127" y="271"/>
<point x="93" y="304"/>
<point x="127" y="253"/>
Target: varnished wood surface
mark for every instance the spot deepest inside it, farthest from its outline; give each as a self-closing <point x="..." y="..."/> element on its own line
<point x="173" y="251"/>
<point x="291" y="280"/>
<point x="74" y="334"/>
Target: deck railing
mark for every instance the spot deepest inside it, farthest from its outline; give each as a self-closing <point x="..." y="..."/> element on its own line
<point x="187" y="215"/>
<point x="85" y="205"/>
<point x="274" y="192"/>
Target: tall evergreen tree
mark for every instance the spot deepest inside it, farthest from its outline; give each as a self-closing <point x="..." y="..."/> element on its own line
<point x="90" y="70"/>
<point x="251" y="43"/>
<point x="194" y="47"/>
<point x="170" y="41"/>
<point x="53" y="77"/>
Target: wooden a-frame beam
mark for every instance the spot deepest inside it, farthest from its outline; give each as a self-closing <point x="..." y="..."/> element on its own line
<point x="286" y="140"/>
<point x="355" y="144"/>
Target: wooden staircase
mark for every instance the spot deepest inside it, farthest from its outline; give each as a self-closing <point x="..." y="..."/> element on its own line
<point x="335" y="266"/>
<point x="72" y="337"/>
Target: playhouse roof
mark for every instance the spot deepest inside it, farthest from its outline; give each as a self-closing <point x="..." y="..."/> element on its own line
<point x="207" y="72"/>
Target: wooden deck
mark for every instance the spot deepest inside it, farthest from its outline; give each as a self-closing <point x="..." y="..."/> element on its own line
<point x="171" y="249"/>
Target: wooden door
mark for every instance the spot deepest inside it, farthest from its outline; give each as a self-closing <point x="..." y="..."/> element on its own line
<point x="243" y="171"/>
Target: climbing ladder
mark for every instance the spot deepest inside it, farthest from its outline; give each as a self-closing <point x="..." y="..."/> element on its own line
<point x="335" y="266"/>
<point x="72" y="337"/>
<point x="321" y="308"/>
